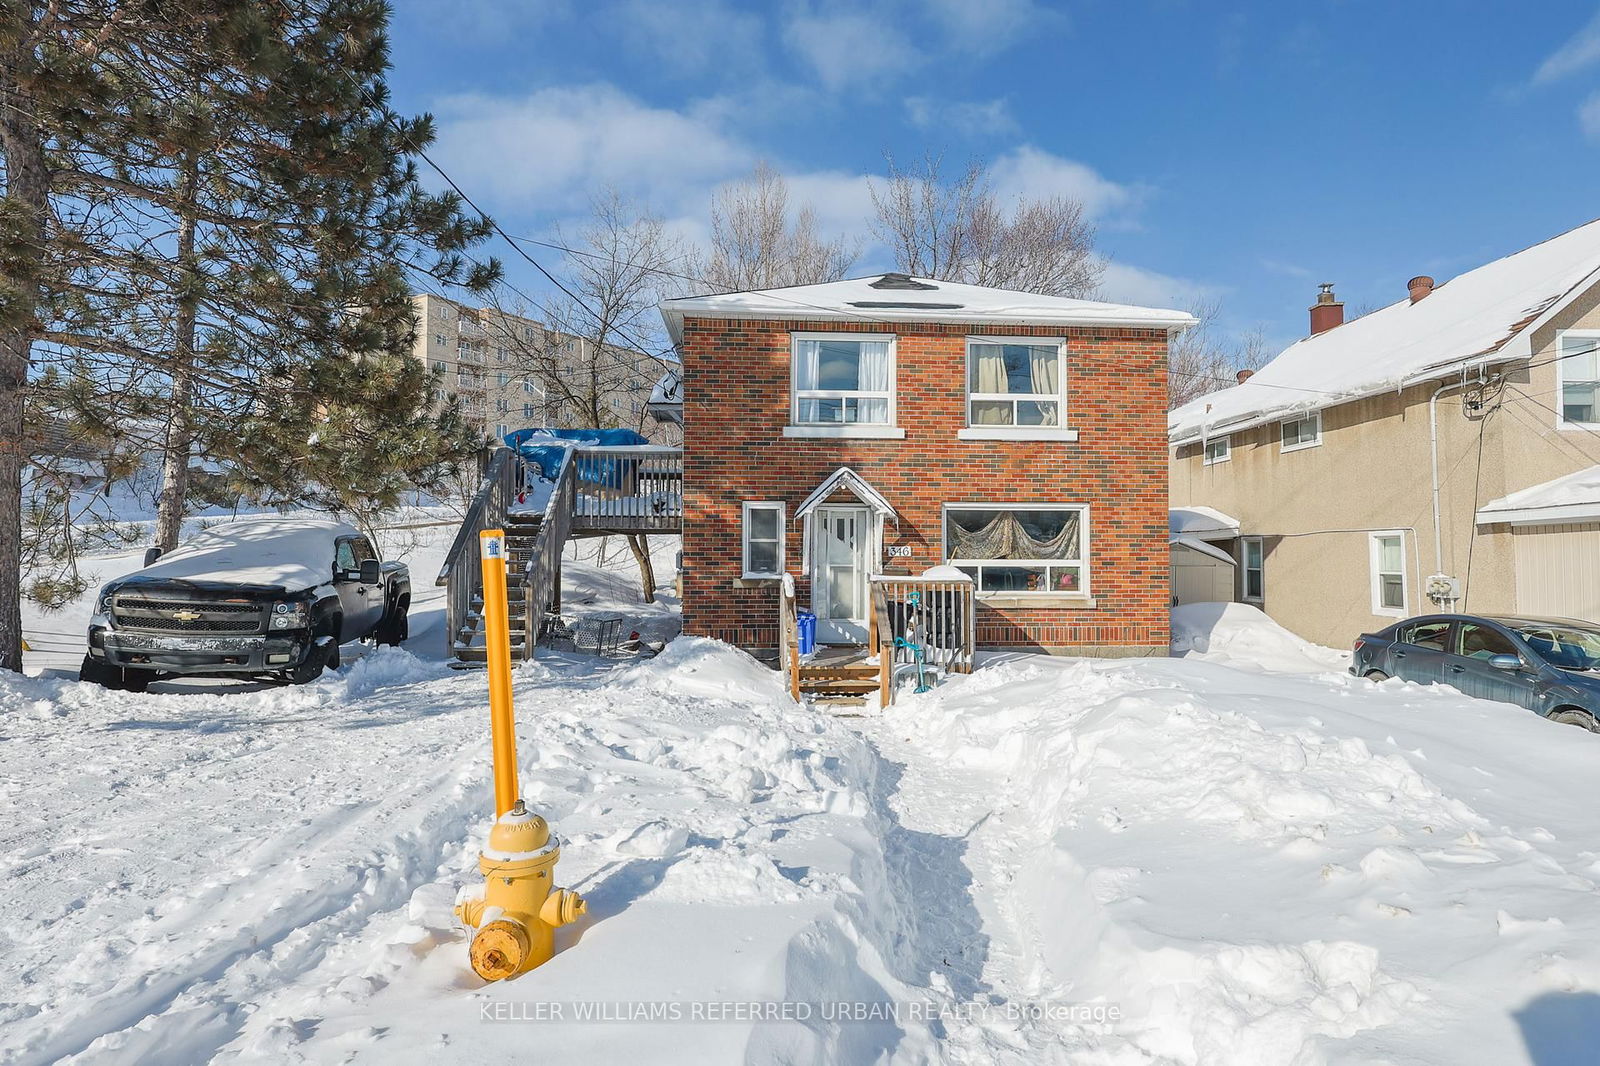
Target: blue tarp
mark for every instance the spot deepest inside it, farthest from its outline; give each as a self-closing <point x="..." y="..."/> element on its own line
<point x="547" y="458"/>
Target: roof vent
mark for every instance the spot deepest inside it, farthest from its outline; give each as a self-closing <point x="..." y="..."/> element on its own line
<point x="906" y="306"/>
<point x="1419" y="286"/>
<point x="901" y="281"/>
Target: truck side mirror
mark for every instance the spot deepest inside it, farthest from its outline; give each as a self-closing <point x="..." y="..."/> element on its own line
<point x="151" y="555"/>
<point x="370" y="572"/>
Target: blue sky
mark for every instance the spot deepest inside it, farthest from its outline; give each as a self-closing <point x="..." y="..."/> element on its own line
<point x="1237" y="152"/>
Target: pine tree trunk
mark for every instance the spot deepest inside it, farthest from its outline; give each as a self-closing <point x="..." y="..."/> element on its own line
<point x="640" y="544"/>
<point x="180" y="419"/>
<point x="28" y="189"/>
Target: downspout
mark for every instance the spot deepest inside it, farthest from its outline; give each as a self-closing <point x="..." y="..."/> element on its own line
<point x="1433" y="448"/>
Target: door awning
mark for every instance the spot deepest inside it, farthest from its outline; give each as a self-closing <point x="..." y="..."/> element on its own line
<point x="856" y="485"/>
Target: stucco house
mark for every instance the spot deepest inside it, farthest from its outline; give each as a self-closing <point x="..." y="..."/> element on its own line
<point x="885" y="425"/>
<point x="1437" y="454"/>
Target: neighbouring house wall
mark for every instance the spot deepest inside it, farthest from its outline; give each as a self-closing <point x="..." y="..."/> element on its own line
<point x="1315" y="508"/>
<point x="736" y="404"/>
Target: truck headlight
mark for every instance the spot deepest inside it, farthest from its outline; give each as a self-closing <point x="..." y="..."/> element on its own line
<point x="290" y="614"/>
<point x="102" y="603"/>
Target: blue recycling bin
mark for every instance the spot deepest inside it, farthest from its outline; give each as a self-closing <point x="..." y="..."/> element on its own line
<point x="808" y="631"/>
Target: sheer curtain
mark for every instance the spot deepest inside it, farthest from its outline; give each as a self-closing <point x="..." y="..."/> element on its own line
<point x="872" y="375"/>
<point x="806" y="365"/>
<point x="1003" y="537"/>
<point x="989" y="376"/>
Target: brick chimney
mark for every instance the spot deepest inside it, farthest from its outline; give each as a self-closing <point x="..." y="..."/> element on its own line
<point x="1243" y="376"/>
<point x="1327" y="312"/>
<point x="1419" y="287"/>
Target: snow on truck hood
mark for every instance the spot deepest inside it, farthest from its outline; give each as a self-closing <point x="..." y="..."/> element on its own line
<point x="292" y="553"/>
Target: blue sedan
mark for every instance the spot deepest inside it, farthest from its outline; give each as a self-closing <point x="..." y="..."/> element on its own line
<point x="1551" y="666"/>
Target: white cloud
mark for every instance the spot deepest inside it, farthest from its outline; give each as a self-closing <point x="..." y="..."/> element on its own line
<point x="1589" y="117"/>
<point x="551" y="150"/>
<point x="989" y="25"/>
<point x="972" y="118"/>
<point x="692" y="36"/>
<point x="850" y="48"/>
<point x="1580" y="51"/>
<point x="1122" y="283"/>
<point x="1034" y="172"/>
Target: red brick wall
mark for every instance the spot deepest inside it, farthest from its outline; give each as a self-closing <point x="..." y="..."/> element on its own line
<point x="737" y="402"/>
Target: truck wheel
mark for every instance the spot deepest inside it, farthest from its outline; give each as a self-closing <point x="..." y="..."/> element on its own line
<point x="137" y="680"/>
<point x="96" y="672"/>
<point x="311" y="669"/>
<point x="395" y="628"/>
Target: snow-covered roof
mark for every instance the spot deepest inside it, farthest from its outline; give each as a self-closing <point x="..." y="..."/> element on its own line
<point x="901" y="298"/>
<point x="1196" y="544"/>
<point x="668" y="390"/>
<point x="1572" y="498"/>
<point x="1206" y="523"/>
<point x="291" y="552"/>
<point x="1486" y="315"/>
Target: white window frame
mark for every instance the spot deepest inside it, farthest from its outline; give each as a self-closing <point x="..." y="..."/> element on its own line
<point x="1375" y="554"/>
<point x="744" y="539"/>
<point x="1059" y="431"/>
<point x="797" y="428"/>
<point x="1245" y="568"/>
<point x="1314" y="442"/>
<point x="1085" y="548"/>
<point x="1207" y="459"/>
<point x="1562" y="422"/>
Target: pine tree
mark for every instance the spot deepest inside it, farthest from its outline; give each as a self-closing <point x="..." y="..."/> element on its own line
<point x="211" y="202"/>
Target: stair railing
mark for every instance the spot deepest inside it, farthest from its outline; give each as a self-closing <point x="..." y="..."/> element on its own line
<point x="543" y="568"/>
<point x="937" y="614"/>
<point x="462" y="572"/>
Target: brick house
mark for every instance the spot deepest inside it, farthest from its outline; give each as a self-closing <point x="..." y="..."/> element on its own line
<point x="889" y="424"/>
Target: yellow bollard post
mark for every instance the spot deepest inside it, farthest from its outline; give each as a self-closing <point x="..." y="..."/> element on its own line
<point x="497" y="644"/>
<point x="518" y="908"/>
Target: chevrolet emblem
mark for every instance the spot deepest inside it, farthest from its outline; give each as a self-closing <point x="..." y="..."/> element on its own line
<point x="186" y="616"/>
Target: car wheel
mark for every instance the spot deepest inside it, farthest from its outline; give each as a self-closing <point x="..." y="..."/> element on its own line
<point x="1375" y="675"/>
<point x="1574" y="716"/>
<point x="316" y="660"/>
<point x="96" y="672"/>
<point x="395" y="628"/>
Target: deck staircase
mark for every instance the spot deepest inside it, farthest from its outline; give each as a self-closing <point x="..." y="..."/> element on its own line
<point x="839" y="679"/>
<point x="599" y="492"/>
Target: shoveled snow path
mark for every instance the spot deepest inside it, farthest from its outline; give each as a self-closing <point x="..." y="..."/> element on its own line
<point x="1262" y="869"/>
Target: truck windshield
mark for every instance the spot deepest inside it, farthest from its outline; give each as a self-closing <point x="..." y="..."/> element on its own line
<point x="1566" y="647"/>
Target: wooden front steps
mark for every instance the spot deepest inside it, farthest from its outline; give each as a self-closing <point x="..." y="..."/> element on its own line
<point x="520" y="532"/>
<point x="838" y="682"/>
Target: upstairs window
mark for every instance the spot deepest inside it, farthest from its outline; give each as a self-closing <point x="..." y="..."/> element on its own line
<point x="1579" y="373"/>
<point x="1302" y="432"/>
<point x="843" y="380"/>
<point x="1013" y="383"/>
<point x="1218" y="450"/>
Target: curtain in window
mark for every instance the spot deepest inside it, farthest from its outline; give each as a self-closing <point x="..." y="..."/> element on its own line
<point x="1004" y="537"/>
<point x="873" y="369"/>
<point x="1044" y="370"/>
<point x="806" y="361"/>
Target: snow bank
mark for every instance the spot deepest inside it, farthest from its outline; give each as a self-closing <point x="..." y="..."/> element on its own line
<point x="1241" y="635"/>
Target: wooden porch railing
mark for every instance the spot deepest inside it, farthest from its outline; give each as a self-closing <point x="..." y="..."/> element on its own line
<point x="934" y="613"/>
<point x="462" y="572"/>
<point x="543" y="568"/>
<point x="622" y="489"/>
<point x="789" y="636"/>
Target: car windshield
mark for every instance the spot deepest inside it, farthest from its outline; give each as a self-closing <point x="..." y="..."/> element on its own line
<point x="1567" y="647"/>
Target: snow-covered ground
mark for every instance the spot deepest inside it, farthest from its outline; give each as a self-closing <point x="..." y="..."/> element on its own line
<point x="1239" y="856"/>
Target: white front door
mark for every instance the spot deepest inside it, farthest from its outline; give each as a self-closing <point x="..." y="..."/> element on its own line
<point x="841" y="539"/>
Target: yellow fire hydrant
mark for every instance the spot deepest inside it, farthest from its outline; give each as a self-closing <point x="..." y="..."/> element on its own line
<point x="517" y="911"/>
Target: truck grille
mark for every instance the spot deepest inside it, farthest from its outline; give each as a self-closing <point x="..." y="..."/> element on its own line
<point x="185" y="616"/>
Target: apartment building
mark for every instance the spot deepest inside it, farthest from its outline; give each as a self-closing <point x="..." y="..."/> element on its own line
<point x="486" y="357"/>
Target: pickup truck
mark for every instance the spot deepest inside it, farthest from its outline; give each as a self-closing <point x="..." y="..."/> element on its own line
<point x="259" y="597"/>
